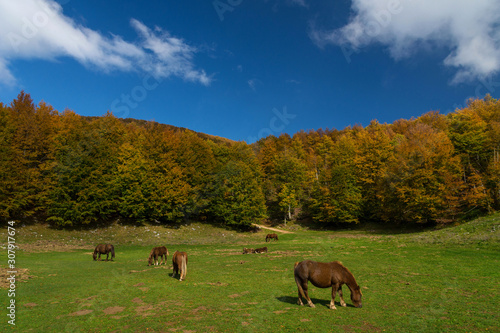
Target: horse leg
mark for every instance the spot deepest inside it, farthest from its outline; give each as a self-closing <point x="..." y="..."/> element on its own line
<point x="302" y="287"/>
<point x="335" y="287"/>
<point x="342" y="303"/>
<point x="299" y="302"/>
<point x="175" y="270"/>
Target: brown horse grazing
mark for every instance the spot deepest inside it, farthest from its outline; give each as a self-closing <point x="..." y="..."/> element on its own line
<point x="325" y="275"/>
<point x="160" y="251"/>
<point x="261" y="250"/>
<point x="104" y="249"/>
<point x="246" y="251"/>
<point x="179" y="260"/>
<point x="271" y="236"/>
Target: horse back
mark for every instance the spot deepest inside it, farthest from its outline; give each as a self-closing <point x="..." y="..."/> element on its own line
<point x="178" y="257"/>
<point x="163" y="250"/>
<point x="321" y="275"/>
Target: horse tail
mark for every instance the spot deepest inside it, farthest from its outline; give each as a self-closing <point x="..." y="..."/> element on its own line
<point x="112" y="251"/>
<point x="298" y="282"/>
<point x="184" y="265"/>
<point x="299" y="287"/>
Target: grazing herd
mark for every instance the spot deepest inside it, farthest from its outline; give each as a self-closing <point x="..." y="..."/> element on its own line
<point x="179" y="259"/>
<point x="320" y="274"/>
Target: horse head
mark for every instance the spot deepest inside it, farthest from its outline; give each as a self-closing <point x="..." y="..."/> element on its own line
<point x="356" y="297"/>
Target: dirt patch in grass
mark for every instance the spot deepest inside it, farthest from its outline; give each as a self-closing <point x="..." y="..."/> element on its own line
<point x="81" y="313"/>
<point x="113" y="310"/>
<point x="134" y="271"/>
<point x="30" y="305"/>
<point x="144" y="310"/>
<point x="200" y="308"/>
<point x="238" y="295"/>
<point x="22" y="274"/>
<point x="53" y="246"/>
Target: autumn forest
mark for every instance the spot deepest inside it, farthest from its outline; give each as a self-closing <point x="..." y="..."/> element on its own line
<point x="70" y="170"/>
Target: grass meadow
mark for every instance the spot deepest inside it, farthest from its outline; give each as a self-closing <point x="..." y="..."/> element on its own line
<point x="427" y="281"/>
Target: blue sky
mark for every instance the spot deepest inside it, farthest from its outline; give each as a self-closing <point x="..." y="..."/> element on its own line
<point x="244" y="69"/>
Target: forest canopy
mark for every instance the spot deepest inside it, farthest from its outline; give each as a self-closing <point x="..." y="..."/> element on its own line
<point x="70" y="170"/>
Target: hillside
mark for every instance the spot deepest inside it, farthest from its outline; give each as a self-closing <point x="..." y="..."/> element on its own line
<point x="73" y="171"/>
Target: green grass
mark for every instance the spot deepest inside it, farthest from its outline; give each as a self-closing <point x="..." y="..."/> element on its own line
<point x="435" y="281"/>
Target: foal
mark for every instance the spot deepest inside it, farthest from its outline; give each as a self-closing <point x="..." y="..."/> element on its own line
<point x="160" y="251"/>
<point x="104" y="249"/>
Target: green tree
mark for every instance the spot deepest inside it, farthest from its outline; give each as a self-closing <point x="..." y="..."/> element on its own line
<point x="86" y="156"/>
<point x="337" y="196"/>
<point x="235" y="191"/>
<point x="287" y="201"/>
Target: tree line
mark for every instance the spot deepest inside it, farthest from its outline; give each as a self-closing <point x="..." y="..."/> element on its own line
<point x="71" y="170"/>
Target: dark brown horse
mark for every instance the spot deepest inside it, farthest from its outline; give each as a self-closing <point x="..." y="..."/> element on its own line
<point x="246" y="251"/>
<point x="261" y="250"/>
<point x="104" y="249"/>
<point x="271" y="236"/>
<point x="325" y="275"/>
<point x="160" y="251"/>
<point x="179" y="260"/>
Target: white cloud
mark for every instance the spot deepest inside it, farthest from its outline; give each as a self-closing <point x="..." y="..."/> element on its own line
<point x="252" y="83"/>
<point x="5" y="75"/>
<point x="470" y="30"/>
<point x="39" y="29"/>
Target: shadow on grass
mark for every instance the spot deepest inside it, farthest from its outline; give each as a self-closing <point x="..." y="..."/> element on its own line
<point x="293" y="300"/>
<point x="316" y="301"/>
<point x="368" y="227"/>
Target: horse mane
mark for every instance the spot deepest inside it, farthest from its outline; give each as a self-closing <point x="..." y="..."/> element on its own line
<point x="350" y="280"/>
